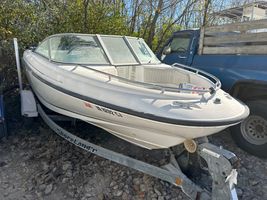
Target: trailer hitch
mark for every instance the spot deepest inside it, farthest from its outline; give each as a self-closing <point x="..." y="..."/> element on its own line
<point x="221" y="165"/>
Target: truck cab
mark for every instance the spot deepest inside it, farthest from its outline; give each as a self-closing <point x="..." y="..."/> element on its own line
<point x="182" y="46"/>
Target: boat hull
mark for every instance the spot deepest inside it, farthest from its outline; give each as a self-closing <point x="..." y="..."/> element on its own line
<point x="147" y="133"/>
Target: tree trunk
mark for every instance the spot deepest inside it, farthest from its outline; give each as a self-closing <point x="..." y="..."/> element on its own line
<point x="153" y="23"/>
<point x="205" y="16"/>
<point x="133" y="20"/>
<point x="187" y="7"/>
<point x="85" y="12"/>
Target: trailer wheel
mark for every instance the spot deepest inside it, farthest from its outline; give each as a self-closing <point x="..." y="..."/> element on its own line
<point x="251" y="134"/>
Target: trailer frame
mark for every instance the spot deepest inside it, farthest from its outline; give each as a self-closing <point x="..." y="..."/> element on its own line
<point x="219" y="161"/>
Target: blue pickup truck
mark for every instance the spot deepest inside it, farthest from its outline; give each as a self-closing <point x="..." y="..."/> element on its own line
<point x="243" y="74"/>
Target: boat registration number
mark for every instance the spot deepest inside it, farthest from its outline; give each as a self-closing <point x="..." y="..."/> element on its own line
<point x="106" y="110"/>
<point x="102" y="109"/>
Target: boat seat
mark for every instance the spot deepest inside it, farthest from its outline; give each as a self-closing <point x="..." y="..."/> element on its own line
<point x="154" y="75"/>
<point x="166" y="76"/>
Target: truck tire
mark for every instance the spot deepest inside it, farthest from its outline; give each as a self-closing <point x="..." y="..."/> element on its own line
<point x="251" y="134"/>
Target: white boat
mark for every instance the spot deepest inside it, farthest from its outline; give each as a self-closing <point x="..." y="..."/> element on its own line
<point x="118" y="84"/>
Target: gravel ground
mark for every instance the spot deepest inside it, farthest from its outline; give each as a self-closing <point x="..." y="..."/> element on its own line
<point x="35" y="163"/>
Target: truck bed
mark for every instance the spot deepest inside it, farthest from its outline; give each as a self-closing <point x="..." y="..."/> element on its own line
<point x="231" y="68"/>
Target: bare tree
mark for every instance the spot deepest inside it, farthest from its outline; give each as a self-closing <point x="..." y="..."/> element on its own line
<point x="178" y="19"/>
<point x="85" y="6"/>
<point x="205" y="15"/>
<point x="135" y="14"/>
<point x="153" y="23"/>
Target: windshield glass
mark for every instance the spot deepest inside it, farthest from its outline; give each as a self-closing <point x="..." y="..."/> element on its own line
<point x="97" y="49"/>
<point x="118" y="50"/>
<point x="43" y="49"/>
<point x="143" y="52"/>
<point x="78" y="49"/>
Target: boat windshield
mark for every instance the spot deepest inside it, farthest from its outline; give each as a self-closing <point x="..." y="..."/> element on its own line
<point x="118" y="50"/>
<point x="98" y="49"/>
<point x="143" y="52"/>
<point x="77" y="49"/>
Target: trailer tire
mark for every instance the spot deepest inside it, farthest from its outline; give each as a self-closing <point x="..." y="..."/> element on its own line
<point x="251" y="134"/>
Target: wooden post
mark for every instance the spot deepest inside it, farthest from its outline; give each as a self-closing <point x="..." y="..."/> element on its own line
<point x="201" y="40"/>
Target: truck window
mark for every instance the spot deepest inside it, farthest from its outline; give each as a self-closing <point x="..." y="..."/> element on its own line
<point x="180" y="43"/>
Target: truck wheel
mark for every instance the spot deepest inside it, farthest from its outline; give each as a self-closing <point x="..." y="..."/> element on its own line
<point x="251" y="134"/>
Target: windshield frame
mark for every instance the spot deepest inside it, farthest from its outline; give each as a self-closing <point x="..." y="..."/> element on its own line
<point x="104" y="48"/>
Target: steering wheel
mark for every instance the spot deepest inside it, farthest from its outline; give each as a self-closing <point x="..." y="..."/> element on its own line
<point x="181" y="49"/>
<point x="79" y="47"/>
<point x="76" y="47"/>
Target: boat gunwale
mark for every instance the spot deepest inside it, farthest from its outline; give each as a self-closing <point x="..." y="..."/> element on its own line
<point x="148" y="116"/>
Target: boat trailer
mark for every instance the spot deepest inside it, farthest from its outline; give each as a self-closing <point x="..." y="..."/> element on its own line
<point x="219" y="162"/>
